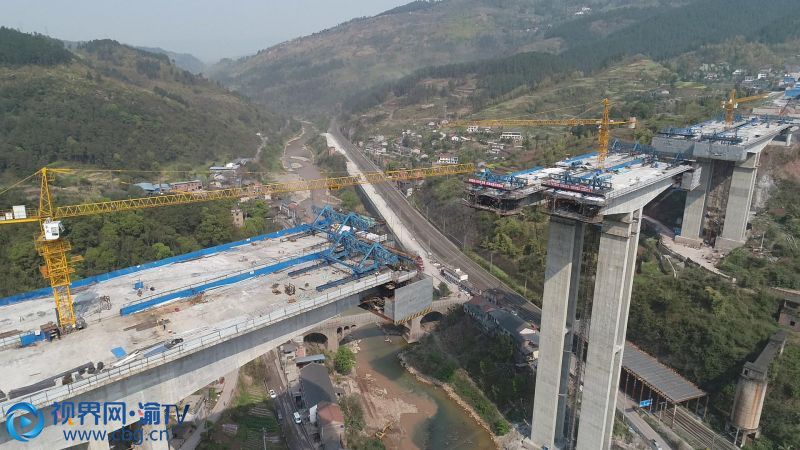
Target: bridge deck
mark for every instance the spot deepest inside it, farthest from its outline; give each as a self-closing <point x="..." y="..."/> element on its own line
<point x="107" y="329"/>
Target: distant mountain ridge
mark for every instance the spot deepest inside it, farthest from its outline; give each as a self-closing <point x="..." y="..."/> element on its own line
<point x="319" y="71"/>
<point x="185" y="61"/>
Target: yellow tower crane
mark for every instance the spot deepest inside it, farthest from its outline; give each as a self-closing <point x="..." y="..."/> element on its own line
<point x="54" y="249"/>
<point x="604" y="124"/>
<point x="732" y="103"/>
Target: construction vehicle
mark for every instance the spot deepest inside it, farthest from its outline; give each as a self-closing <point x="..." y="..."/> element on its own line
<point x="603" y="124"/>
<point x="58" y="267"/>
<point x="382" y="433"/>
<point x="732" y="103"/>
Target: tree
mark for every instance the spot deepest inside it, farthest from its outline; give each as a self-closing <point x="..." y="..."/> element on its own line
<point x="161" y="251"/>
<point x="213" y="229"/>
<point x="444" y="291"/>
<point x="344" y="361"/>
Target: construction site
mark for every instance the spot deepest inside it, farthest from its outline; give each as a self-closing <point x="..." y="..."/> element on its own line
<point x="194" y="316"/>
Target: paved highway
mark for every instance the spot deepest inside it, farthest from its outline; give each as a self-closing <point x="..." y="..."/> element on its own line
<point x="441" y="247"/>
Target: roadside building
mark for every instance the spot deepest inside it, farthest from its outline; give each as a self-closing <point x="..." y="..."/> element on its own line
<point x="238" y="217"/>
<point x="515" y="136"/>
<point x="446" y="158"/>
<point x="330" y="420"/>
<point x="154" y="189"/>
<point x="305" y="360"/>
<point x="316" y="387"/>
<point x="187" y="186"/>
<point x="498" y="321"/>
<point x="525" y="337"/>
<point x="790" y="315"/>
<point x="229" y="167"/>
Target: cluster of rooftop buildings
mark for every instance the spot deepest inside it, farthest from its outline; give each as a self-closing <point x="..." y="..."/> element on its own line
<point x="313" y="390"/>
<point x="495" y="320"/>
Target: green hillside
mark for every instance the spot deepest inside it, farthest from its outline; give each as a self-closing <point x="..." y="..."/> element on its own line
<point x="112" y="106"/>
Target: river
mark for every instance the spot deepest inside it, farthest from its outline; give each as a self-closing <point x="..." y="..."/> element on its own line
<point x="438" y="423"/>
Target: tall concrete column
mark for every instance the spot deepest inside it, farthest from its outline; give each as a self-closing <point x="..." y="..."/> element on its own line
<point x="740" y="198"/>
<point x="616" y="260"/>
<point x="694" y="211"/>
<point x="562" y="273"/>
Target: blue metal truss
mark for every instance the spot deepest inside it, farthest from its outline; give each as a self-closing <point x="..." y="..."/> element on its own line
<point x="327" y="216"/>
<point x="346" y="249"/>
<point x="508" y="181"/>
<point x="359" y="257"/>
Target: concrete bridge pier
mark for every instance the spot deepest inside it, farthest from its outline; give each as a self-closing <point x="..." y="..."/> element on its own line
<point x="740" y="199"/>
<point x="694" y="211"/>
<point x="616" y="262"/>
<point x="413" y="331"/>
<point x="562" y="272"/>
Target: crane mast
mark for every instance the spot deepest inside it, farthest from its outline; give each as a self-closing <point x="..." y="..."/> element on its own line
<point x="732" y="103"/>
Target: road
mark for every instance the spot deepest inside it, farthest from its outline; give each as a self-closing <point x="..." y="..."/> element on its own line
<point x="441" y="247"/>
<point x="296" y="436"/>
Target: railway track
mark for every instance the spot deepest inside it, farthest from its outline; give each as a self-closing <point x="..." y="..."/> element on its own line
<point x="699" y="435"/>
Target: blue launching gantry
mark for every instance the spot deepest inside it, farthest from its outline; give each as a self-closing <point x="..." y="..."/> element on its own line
<point x="361" y="258"/>
<point x="346" y="249"/>
<point x="326" y="217"/>
<point x="497" y="180"/>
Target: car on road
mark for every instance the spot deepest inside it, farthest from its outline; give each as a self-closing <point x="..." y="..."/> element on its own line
<point x="297" y="418"/>
<point x="173" y="343"/>
<point x="272" y="393"/>
<point x="654" y="445"/>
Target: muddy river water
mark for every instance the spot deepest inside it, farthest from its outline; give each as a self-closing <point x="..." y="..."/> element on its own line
<point x="438" y="423"/>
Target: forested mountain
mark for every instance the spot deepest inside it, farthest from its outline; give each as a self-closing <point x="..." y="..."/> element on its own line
<point x="18" y="49"/>
<point x="322" y="69"/>
<point x="112" y="106"/>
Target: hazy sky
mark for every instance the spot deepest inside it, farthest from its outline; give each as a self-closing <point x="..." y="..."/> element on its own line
<point x="208" y="29"/>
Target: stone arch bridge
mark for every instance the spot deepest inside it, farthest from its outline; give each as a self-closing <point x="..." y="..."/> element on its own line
<point x="333" y="330"/>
